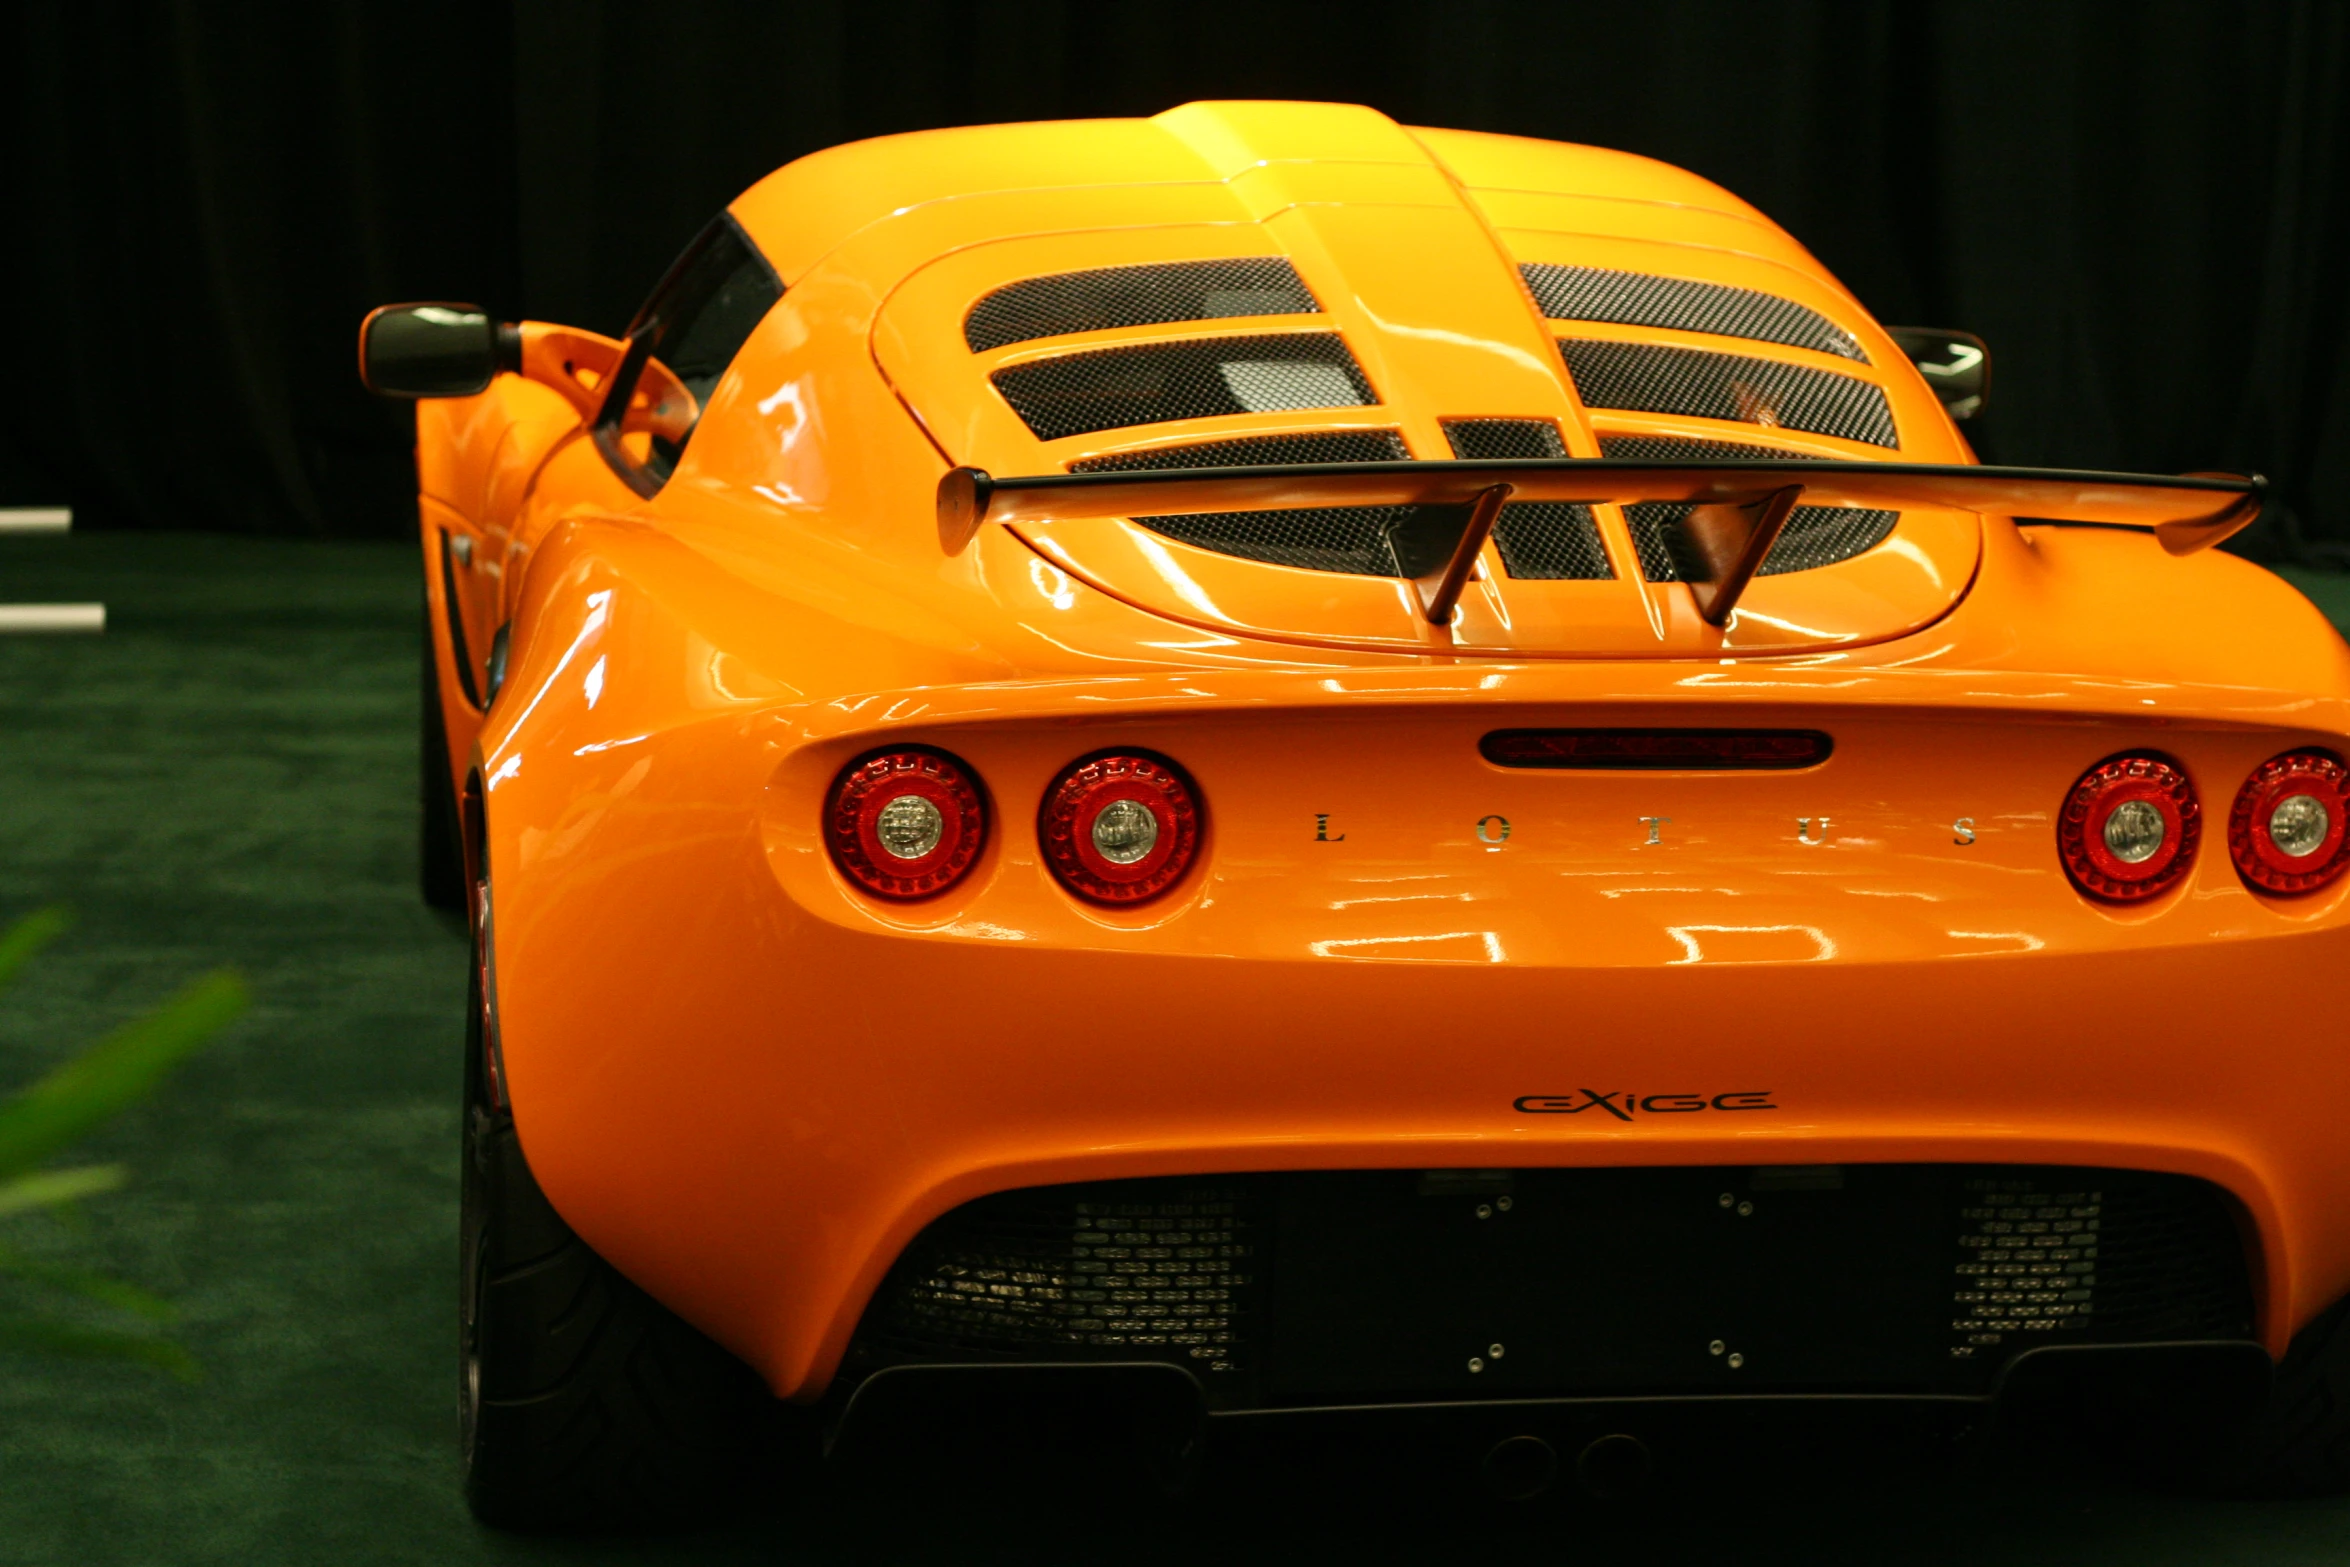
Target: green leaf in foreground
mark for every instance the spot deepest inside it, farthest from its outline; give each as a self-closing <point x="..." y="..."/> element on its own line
<point x="117" y="1071"/>
<point x="51" y="1188"/>
<point x="70" y="1102"/>
<point x="28" y="936"/>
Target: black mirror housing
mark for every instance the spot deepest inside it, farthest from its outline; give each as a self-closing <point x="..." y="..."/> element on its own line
<point x="1957" y="365"/>
<point x="434" y="350"/>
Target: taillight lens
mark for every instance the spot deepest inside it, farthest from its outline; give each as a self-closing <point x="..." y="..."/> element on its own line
<point x="1120" y="828"/>
<point x="2285" y="833"/>
<point x="2129" y="828"/>
<point x="905" y="823"/>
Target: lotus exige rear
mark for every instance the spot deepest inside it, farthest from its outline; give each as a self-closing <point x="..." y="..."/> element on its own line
<point x="1303" y="764"/>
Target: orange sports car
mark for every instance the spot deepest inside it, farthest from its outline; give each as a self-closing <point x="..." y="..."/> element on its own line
<point x="1289" y="763"/>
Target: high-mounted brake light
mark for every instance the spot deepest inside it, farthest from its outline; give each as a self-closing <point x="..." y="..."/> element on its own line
<point x="2129" y="828"/>
<point x="2286" y="830"/>
<point x="906" y="823"/>
<point x="1664" y="750"/>
<point x="1120" y="828"/>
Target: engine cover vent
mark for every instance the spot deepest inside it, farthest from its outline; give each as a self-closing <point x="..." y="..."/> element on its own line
<point x="1540" y="540"/>
<point x="1702" y="384"/>
<point x="1815" y="536"/>
<point x="1112" y="297"/>
<point x="1503" y="439"/>
<point x="1155" y="383"/>
<point x="1673" y="448"/>
<point x="1258" y="451"/>
<point x="1362" y="541"/>
<point x="1638" y="299"/>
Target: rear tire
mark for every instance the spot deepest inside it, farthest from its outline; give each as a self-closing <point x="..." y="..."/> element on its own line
<point x="440" y="855"/>
<point x="2300" y="1444"/>
<point x="584" y="1401"/>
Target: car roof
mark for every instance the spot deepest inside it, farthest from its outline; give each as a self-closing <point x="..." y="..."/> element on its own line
<point x="810" y="208"/>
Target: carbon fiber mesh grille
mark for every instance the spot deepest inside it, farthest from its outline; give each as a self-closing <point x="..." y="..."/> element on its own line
<point x="1637" y="299"/>
<point x="1153" y="383"/>
<point x="1502" y="439"/>
<point x="1651" y="523"/>
<point x="1258" y="451"/>
<point x="1815" y="536"/>
<point x="1137" y="296"/>
<point x="1131" y="1270"/>
<point x="1363" y="541"/>
<point x="1823" y="535"/>
<point x="1539" y="540"/>
<point x="1706" y="385"/>
<point x="1673" y="448"/>
<point x="1551" y="541"/>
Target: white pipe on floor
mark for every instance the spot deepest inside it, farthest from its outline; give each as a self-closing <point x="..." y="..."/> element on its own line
<point x="51" y="617"/>
<point x="35" y="519"/>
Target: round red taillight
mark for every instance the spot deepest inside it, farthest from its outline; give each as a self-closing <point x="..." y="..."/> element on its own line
<point x="2129" y="828"/>
<point x="1120" y="828"/>
<point x="906" y="823"/>
<point x="2285" y="833"/>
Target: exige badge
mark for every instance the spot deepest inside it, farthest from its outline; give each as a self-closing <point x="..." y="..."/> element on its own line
<point x="1623" y="1105"/>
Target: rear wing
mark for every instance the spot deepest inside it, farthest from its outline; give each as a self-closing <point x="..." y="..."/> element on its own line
<point x="1737" y="508"/>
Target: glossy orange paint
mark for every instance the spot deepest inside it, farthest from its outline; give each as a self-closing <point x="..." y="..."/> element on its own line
<point x="748" y="1086"/>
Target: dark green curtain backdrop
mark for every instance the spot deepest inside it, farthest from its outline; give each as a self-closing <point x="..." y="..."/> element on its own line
<point x="2145" y="207"/>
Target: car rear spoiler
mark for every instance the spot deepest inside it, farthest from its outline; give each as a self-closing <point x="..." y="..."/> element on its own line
<point x="1739" y="507"/>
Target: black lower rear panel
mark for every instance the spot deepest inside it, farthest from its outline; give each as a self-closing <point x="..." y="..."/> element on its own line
<point x="1300" y="1290"/>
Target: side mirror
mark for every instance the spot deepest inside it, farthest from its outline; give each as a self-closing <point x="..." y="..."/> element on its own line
<point x="1955" y="364"/>
<point x="434" y="350"/>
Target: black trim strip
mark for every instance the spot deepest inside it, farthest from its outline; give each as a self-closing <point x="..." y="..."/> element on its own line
<point x="457" y="649"/>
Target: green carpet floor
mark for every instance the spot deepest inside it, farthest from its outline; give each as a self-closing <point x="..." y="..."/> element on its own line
<point x="227" y="777"/>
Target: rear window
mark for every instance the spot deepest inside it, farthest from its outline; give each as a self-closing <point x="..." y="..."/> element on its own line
<point x="694" y="324"/>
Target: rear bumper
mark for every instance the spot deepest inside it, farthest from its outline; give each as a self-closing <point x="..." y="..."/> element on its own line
<point x="752" y="1092"/>
<point x="766" y="1187"/>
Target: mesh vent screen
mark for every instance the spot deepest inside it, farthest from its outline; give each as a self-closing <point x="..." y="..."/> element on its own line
<point x="1673" y="448"/>
<point x="1637" y="299"/>
<point x="1815" y="536"/>
<point x="2172" y="1264"/>
<point x="1551" y="541"/>
<point x="1152" y="383"/>
<point x="1364" y="541"/>
<point x="1823" y="535"/>
<point x="1136" y="296"/>
<point x="1706" y="385"/>
<point x="1258" y="451"/>
<point x="1651" y="523"/>
<point x="1539" y="540"/>
<point x="1131" y="1270"/>
<point x="2113" y="1257"/>
<point x="1502" y="439"/>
